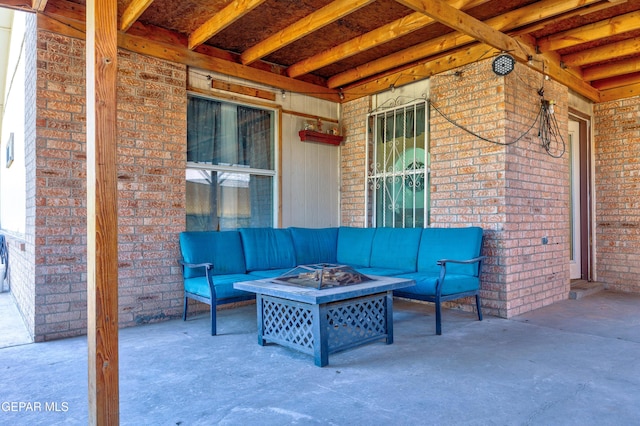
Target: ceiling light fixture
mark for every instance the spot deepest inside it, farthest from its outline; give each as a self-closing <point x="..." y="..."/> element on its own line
<point x="503" y="64"/>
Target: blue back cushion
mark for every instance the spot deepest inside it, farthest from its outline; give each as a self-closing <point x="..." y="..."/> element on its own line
<point x="315" y="245"/>
<point x="354" y="246"/>
<point x="223" y="249"/>
<point x="267" y="248"/>
<point x="450" y="243"/>
<point x="396" y="248"/>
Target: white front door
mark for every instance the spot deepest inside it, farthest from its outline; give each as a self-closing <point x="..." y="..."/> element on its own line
<point x="574" y="168"/>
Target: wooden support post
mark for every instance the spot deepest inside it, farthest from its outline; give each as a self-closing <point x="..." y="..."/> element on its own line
<point x="102" y="215"/>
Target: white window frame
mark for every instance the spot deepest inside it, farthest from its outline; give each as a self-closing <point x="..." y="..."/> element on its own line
<point x="219" y="168"/>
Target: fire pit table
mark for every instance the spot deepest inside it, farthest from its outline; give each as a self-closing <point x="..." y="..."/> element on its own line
<point x="320" y="311"/>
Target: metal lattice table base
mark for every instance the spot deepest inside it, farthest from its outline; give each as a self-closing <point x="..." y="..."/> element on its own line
<point x="325" y="328"/>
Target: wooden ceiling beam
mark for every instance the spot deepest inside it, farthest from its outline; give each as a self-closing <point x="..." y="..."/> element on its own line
<point x="617" y="81"/>
<point x="67" y="18"/>
<point x="596" y="31"/>
<point x="539" y="11"/>
<point x="67" y="10"/>
<point x="549" y="64"/>
<point x="411" y="73"/>
<point x="448" y="62"/>
<point x="72" y="14"/>
<point x="620" y="93"/>
<point x="381" y="35"/>
<point x="585" y="9"/>
<point x="403" y="57"/>
<point x="310" y="23"/>
<point x="603" y="53"/>
<point x="460" y="21"/>
<point x="612" y="69"/>
<point x="221" y="20"/>
<point x="194" y="59"/>
<point x="181" y="54"/>
<point x="132" y="12"/>
<point x="507" y="21"/>
<point x="69" y="27"/>
<point x="23" y="5"/>
<point x="374" y="38"/>
<point x="38" y="5"/>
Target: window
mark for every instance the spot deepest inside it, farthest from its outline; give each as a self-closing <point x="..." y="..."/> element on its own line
<point x="230" y="165"/>
<point x="398" y="167"/>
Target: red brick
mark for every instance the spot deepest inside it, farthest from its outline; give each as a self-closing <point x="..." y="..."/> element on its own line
<point x="617" y="149"/>
<point x="61" y="234"/>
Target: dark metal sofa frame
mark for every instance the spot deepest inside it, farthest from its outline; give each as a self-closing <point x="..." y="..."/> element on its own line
<point x="438" y="298"/>
<point x="212" y="301"/>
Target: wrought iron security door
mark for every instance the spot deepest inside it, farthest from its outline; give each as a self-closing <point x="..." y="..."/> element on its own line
<point x="398" y="167"/>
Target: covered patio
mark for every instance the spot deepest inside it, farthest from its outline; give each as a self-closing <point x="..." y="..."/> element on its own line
<point x="572" y="363"/>
<point x="517" y="116"/>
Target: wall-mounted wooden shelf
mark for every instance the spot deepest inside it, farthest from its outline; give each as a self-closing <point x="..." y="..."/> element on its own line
<point x="310" y="135"/>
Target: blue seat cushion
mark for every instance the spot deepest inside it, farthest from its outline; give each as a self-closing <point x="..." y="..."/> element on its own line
<point x="453" y="284"/>
<point x="268" y="273"/>
<point x="449" y="243"/>
<point x="396" y="248"/>
<point x="267" y="248"/>
<point x="384" y="272"/>
<point x="315" y="245"/>
<point x="222" y="283"/>
<point x="222" y="249"/>
<point x="354" y="246"/>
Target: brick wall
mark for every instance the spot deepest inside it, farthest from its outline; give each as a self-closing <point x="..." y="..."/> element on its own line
<point x="152" y="121"/>
<point x="617" y="194"/>
<point x="468" y="186"/>
<point x="517" y="193"/>
<point x="151" y="162"/>
<point x="537" y="198"/>
<point x="352" y="162"/>
<point x="60" y="281"/>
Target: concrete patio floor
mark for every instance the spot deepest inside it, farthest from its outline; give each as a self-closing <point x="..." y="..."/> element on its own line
<point x="574" y="363"/>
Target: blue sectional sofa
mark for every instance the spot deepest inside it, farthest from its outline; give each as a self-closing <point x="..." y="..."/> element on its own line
<point x="444" y="262"/>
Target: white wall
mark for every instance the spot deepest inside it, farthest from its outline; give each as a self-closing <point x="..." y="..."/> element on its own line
<point x="310" y="180"/>
<point x="13" y="179"/>
<point x="310" y="172"/>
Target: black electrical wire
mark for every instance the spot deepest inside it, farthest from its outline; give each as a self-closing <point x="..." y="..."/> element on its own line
<point x="471" y="132"/>
<point x="548" y="129"/>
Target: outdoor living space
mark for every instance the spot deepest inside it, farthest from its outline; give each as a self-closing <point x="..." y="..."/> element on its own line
<point x="573" y="363"/>
<point x="126" y="125"/>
